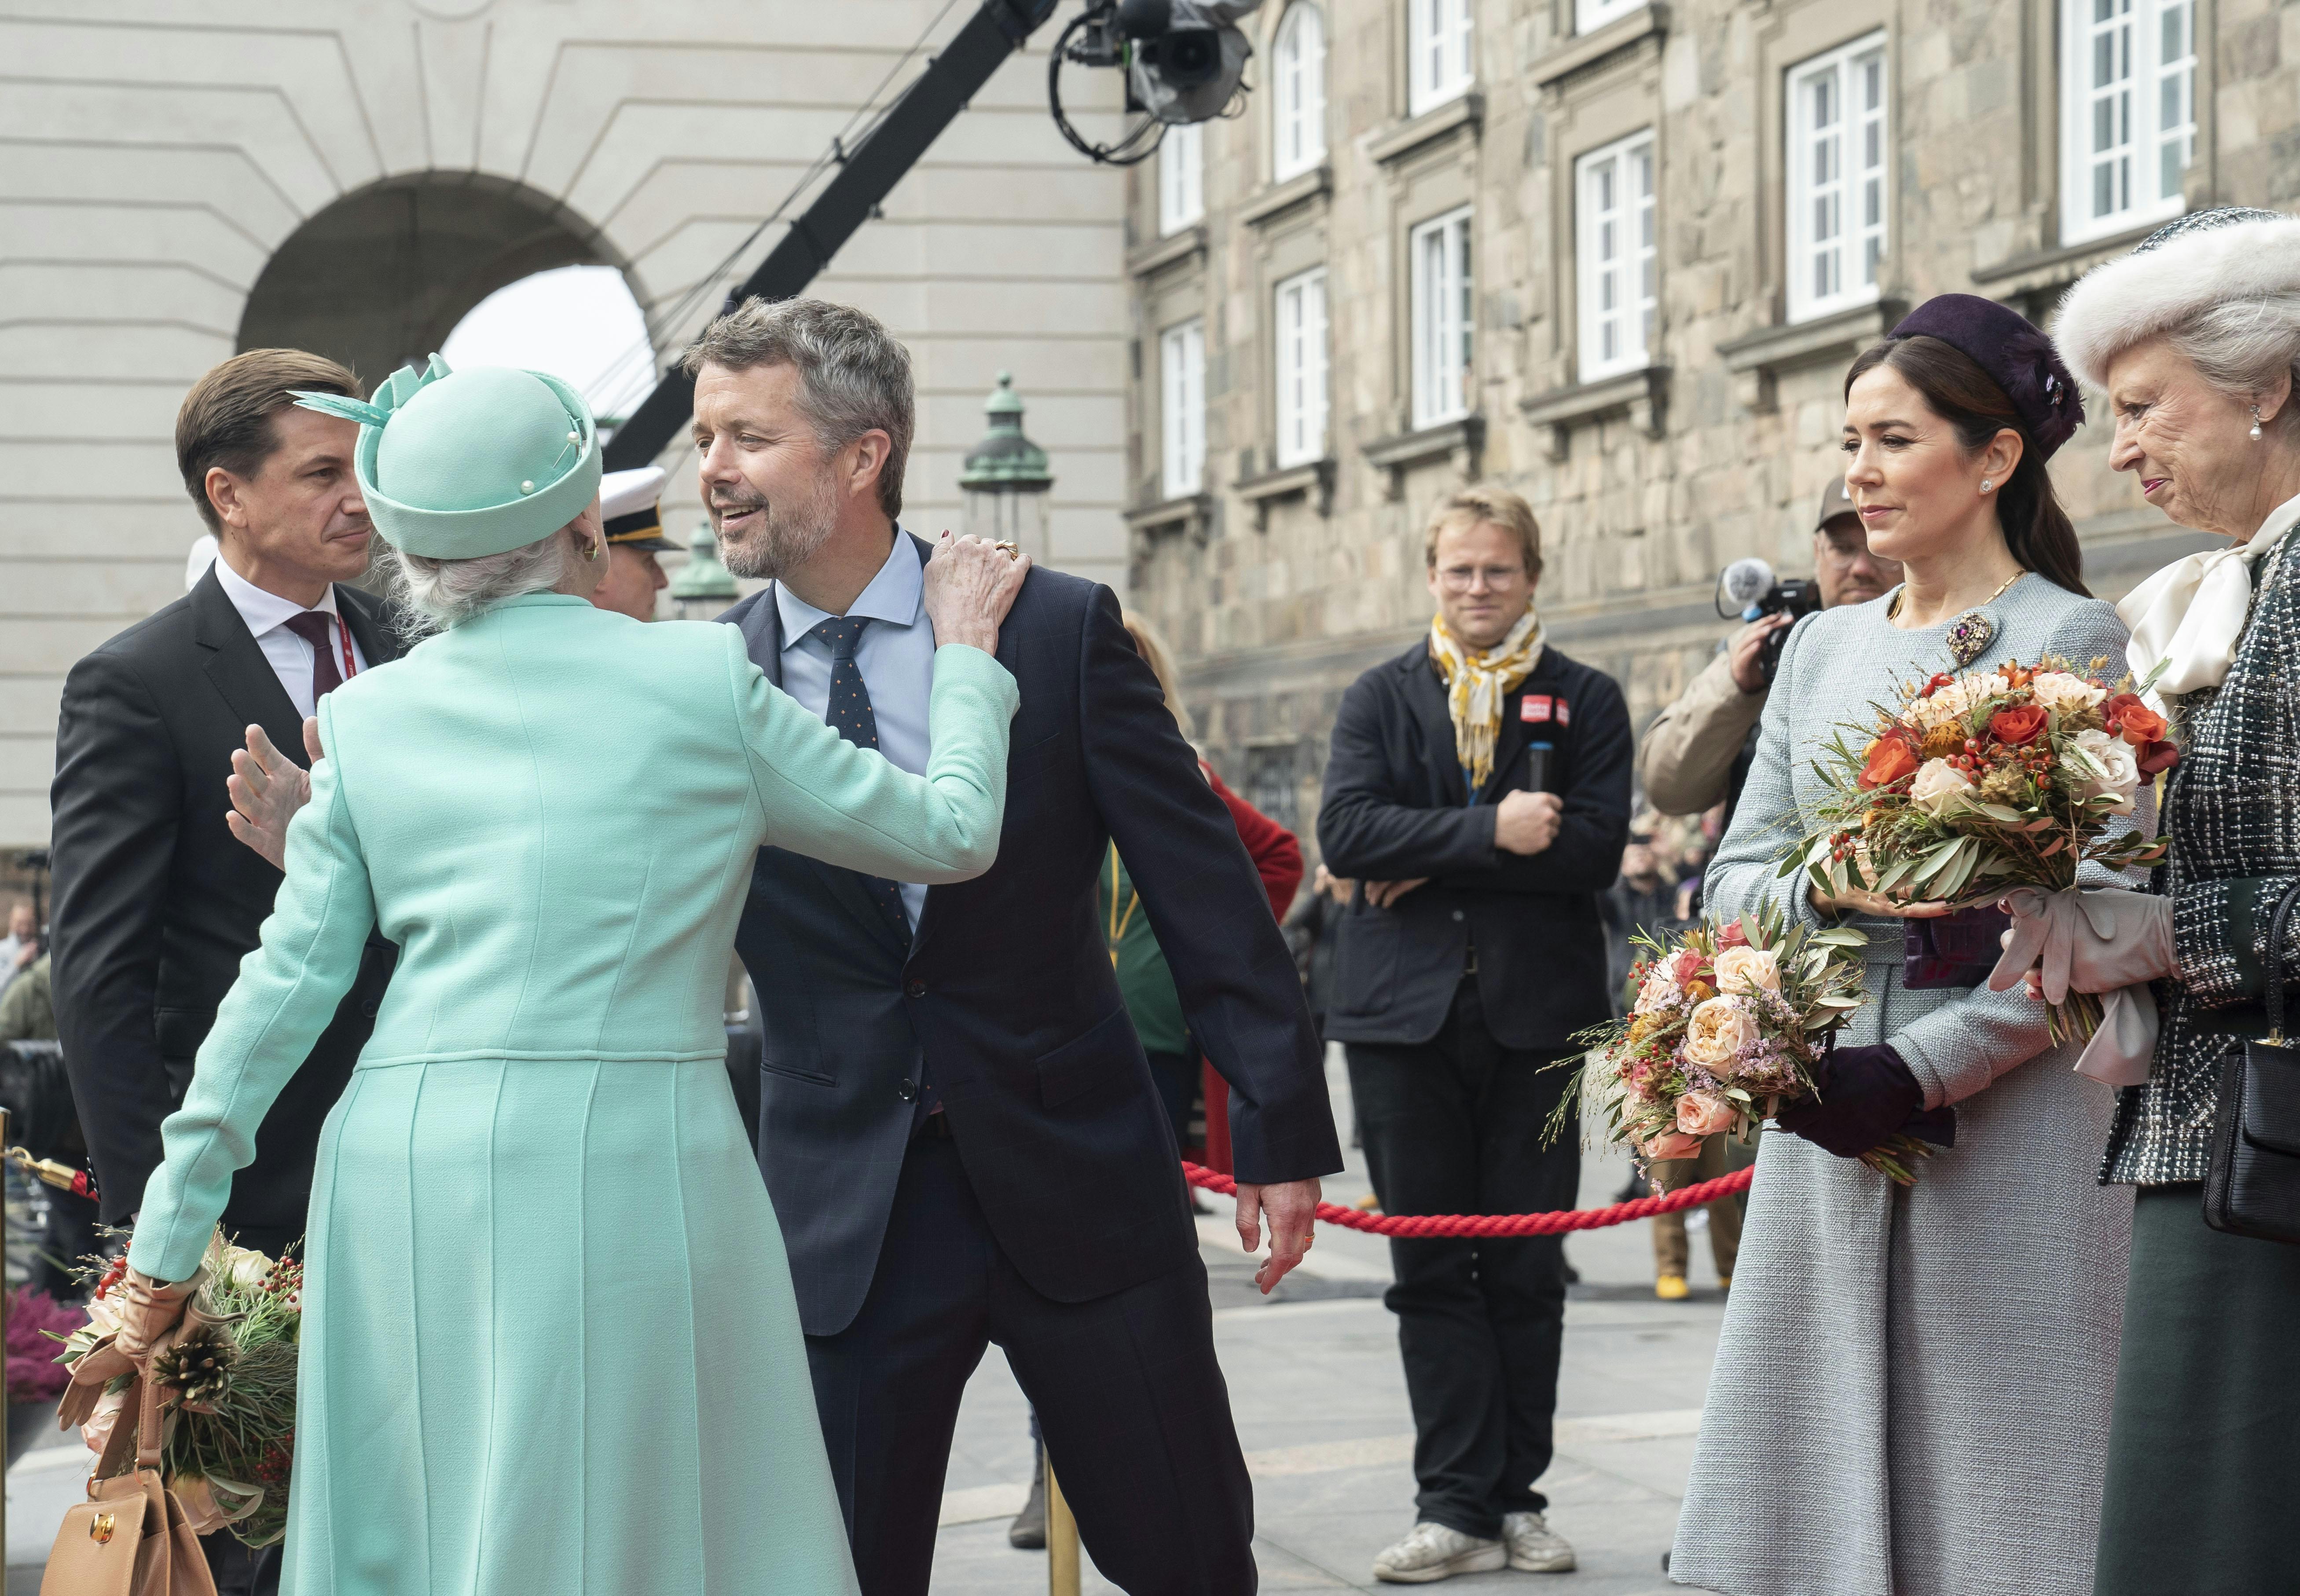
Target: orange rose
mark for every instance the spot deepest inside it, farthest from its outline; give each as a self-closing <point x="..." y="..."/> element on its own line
<point x="2017" y="724"/>
<point x="2140" y="725"/>
<point x="1889" y="759"/>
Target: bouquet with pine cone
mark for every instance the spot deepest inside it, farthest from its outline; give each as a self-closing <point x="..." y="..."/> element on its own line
<point x="229" y="1379"/>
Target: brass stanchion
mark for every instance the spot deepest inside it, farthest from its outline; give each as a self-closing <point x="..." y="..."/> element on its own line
<point x="1062" y="1540"/>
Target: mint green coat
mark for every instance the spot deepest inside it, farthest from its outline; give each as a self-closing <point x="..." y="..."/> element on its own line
<point x="549" y="1342"/>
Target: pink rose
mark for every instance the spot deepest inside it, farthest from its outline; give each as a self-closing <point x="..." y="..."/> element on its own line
<point x="1672" y="1145"/>
<point x="1732" y="936"/>
<point x="1706" y="1114"/>
<point x="1685" y="966"/>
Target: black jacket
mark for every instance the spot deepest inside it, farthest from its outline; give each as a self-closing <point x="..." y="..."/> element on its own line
<point x="1005" y="993"/>
<point x="156" y="901"/>
<point x="1397" y="807"/>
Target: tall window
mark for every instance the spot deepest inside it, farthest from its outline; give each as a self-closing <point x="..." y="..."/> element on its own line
<point x="1182" y="395"/>
<point x="1443" y="326"/>
<point x="1181" y="177"/>
<point x="1838" y="151"/>
<point x="1619" y="284"/>
<point x="1438" y="52"/>
<point x="1299" y="119"/>
<point x="2128" y="112"/>
<point x="1302" y="368"/>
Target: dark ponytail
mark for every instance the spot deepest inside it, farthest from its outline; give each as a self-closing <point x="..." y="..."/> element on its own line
<point x="2036" y="530"/>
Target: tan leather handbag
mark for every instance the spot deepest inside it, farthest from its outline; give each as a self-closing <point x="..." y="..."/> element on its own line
<point x="131" y="1538"/>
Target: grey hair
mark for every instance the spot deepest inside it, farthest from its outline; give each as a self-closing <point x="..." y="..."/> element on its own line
<point x="854" y="376"/>
<point x="432" y="595"/>
<point x="2242" y="347"/>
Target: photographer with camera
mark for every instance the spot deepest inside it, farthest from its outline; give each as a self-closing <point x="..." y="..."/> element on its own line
<point x="1697" y="752"/>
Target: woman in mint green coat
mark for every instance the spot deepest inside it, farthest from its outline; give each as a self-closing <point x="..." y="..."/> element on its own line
<point x="549" y="1342"/>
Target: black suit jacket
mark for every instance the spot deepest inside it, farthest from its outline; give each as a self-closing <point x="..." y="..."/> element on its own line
<point x="156" y="901"/>
<point x="1005" y="993"/>
<point x="1397" y="806"/>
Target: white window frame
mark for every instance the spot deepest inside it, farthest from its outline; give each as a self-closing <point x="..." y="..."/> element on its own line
<point x="1181" y="177"/>
<point x="1840" y="154"/>
<point x="1443" y="287"/>
<point x="1302" y="375"/>
<point x="1617" y="257"/>
<point x="2117" y="130"/>
<point x="1297" y="124"/>
<point x="1440" y="55"/>
<point x="1590" y="15"/>
<point x="1182" y="407"/>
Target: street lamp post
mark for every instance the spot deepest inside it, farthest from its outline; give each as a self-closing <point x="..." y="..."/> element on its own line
<point x="703" y="586"/>
<point x="1005" y="478"/>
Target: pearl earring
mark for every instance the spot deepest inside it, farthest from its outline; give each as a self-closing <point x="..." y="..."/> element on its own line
<point x="2255" y="423"/>
<point x="1984" y="485"/>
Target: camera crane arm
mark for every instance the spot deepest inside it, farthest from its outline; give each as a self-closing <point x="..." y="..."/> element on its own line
<point x="867" y="175"/>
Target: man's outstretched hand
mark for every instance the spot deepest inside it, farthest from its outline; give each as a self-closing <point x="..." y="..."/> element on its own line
<point x="267" y="788"/>
<point x="1291" y="1211"/>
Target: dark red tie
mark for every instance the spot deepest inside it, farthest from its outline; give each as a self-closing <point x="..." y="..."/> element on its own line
<point x="312" y="626"/>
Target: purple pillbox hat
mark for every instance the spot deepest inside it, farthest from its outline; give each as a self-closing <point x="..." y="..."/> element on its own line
<point x="2016" y="354"/>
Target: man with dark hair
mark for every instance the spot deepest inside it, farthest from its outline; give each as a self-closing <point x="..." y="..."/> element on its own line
<point x="155" y="902"/>
<point x="957" y="1122"/>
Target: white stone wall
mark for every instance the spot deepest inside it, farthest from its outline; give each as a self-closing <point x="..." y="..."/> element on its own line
<point x="153" y="156"/>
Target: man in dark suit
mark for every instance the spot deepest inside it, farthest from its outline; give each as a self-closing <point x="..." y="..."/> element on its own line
<point x="1480" y="790"/>
<point x="957" y="1123"/>
<point x="155" y="901"/>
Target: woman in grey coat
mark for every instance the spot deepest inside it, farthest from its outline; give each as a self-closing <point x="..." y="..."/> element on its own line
<point x="1911" y="1392"/>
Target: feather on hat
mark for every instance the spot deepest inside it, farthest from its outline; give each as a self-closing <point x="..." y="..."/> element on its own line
<point x="2186" y="267"/>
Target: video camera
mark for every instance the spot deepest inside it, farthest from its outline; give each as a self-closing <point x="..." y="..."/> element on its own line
<point x="1756" y="592"/>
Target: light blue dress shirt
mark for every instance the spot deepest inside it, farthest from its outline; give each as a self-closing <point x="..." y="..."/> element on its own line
<point x="895" y="654"/>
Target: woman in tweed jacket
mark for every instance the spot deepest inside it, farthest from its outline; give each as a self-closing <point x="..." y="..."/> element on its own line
<point x="1911" y="1392"/>
<point x="2196" y="337"/>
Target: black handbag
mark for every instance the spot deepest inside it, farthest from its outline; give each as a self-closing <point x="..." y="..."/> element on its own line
<point x="2252" y="1188"/>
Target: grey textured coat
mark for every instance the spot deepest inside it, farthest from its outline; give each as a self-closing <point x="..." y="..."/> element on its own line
<point x="1911" y="1390"/>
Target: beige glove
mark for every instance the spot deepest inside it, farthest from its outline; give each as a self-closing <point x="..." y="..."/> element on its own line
<point x="147" y="1313"/>
<point x="2083" y="940"/>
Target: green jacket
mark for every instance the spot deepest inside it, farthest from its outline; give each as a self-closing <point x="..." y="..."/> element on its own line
<point x="552" y="810"/>
<point x="1148" y="986"/>
<point x="27" y="1013"/>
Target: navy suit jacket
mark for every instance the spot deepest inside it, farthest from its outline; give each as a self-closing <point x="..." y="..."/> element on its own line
<point x="1007" y="996"/>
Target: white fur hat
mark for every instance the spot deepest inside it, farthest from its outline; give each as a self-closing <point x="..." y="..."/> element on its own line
<point x="2204" y="259"/>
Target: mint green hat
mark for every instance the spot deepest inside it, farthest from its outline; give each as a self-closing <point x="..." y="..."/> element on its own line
<point x="458" y="465"/>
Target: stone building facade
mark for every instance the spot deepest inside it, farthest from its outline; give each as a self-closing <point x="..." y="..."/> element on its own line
<point x="1617" y="257"/>
<point x="183" y="179"/>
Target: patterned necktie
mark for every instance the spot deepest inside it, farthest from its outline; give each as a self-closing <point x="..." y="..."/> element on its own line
<point x="312" y="626"/>
<point x="850" y="715"/>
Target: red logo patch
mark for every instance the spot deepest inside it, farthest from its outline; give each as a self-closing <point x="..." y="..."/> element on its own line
<point x="1534" y="708"/>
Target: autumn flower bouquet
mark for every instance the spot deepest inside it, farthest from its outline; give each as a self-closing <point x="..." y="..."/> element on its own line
<point x="1731" y="1021"/>
<point x="1977" y="783"/>
<point x="230" y="1379"/>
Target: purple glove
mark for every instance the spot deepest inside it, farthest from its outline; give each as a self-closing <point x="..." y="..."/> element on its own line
<point x="1866" y="1095"/>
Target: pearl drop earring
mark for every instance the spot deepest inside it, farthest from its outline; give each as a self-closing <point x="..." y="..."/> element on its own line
<point x="2255" y="423"/>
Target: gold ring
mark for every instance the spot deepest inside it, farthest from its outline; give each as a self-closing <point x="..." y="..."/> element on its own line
<point x="1308" y="1239"/>
<point x="1012" y="551"/>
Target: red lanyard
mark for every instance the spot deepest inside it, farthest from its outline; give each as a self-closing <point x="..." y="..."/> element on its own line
<point x="344" y="636"/>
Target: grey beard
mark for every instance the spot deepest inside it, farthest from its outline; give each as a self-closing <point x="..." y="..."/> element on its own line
<point x="788" y="540"/>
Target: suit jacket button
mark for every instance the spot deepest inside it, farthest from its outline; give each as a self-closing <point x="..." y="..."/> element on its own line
<point x="1457" y="914"/>
<point x="917" y="989"/>
<point x="908" y="1090"/>
<point x="369" y="1006"/>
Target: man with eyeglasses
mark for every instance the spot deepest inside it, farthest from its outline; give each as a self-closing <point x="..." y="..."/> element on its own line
<point x="1696" y="752"/>
<point x="1478" y="792"/>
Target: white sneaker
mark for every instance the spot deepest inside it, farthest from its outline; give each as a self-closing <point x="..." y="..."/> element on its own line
<point x="1431" y="1552"/>
<point x="1535" y="1548"/>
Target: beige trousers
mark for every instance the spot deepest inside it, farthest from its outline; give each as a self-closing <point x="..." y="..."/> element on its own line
<point x="1720" y="1155"/>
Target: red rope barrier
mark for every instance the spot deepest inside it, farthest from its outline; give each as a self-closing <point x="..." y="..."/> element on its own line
<point x="1550" y="1223"/>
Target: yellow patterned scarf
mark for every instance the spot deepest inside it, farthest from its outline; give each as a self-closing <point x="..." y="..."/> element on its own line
<point x="1476" y="684"/>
